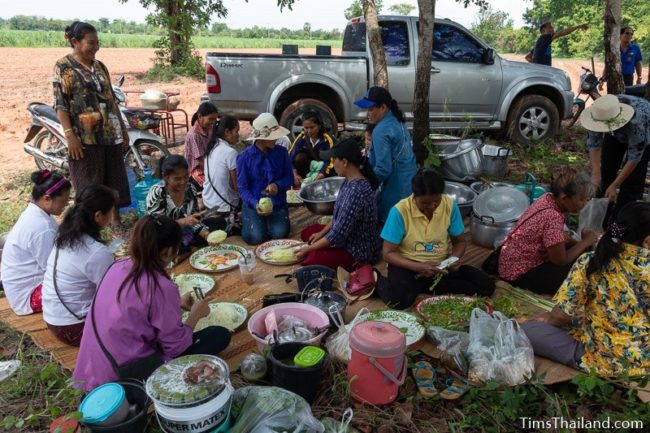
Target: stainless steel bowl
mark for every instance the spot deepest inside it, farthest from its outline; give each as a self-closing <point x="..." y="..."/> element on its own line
<point x="464" y="162"/>
<point x="320" y="196"/>
<point x="461" y="194"/>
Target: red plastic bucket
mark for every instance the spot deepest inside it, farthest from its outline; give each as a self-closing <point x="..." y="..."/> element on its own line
<point x="377" y="367"/>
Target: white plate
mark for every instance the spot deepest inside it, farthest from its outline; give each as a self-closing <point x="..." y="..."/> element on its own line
<point x="230" y="315"/>
<point x="220" y="258"/>
<point x="187" y="282"/>
<point x="265" y="250"/>
<point x="405" y="322"/>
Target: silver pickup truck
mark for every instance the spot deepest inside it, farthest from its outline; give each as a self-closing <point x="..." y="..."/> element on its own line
<point x="471" y="85"/>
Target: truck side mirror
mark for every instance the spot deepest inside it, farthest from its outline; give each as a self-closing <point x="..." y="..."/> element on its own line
<point x="488" y="56"/>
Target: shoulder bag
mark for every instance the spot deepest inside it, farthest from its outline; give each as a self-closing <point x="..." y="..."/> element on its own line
<point x="138" y="370"/>
<point x="491" y="263"/>
<point x="56" y="288"/>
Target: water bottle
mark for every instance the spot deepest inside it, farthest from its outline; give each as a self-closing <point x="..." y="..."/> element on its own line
<point x="141" y="190"/>
<point x="130" y="175"/>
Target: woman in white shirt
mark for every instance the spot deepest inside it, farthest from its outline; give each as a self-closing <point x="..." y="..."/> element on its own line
<point x="77" y="262"/>
<point x="220" y="188"/>
<point x="30" y="241"/>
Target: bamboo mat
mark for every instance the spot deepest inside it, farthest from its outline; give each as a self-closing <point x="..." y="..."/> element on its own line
<point x="230" y="287"/>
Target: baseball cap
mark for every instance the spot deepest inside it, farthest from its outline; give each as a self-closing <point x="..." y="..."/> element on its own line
<point x="374" y="96"/>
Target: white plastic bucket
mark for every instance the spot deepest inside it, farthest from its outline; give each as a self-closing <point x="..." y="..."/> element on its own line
<point x="212" y="416"/>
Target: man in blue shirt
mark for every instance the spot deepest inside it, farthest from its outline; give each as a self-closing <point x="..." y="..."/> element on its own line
<point x="542" y="53"/>
<point x="630" y="57"/>
<point x="264" y="170"/>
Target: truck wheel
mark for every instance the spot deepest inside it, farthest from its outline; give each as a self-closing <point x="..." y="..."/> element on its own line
<point x="291" y="116"/>
<point x="533" y="118"/>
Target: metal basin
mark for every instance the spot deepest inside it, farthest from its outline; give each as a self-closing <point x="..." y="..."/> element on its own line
<point x="464" y="162"/>
<point x="461" y="194"/>
<point x="320" y="196"/>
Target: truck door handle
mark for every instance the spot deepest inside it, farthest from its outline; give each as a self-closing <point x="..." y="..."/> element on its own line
<point x="435" y="70"/>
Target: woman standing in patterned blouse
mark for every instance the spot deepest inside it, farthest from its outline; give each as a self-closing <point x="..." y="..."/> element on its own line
<point x="91" y="120"/>
<point x="607" y="299"/>
<point x="353" y="233"/>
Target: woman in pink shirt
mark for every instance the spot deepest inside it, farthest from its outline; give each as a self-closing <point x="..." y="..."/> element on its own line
<point x="537" y="254"/>
<point x="197" y="140"/>
<point x="137" y="310"/>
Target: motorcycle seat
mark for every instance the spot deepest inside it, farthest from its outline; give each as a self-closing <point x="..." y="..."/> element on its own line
<point x="45" y="111"/>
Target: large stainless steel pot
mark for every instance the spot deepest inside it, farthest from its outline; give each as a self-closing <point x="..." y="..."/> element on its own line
<point x="479" y="186"/>
<point x="486" y="232"/>
<point x="320" y="196"/>
<point x="464" y="162"/>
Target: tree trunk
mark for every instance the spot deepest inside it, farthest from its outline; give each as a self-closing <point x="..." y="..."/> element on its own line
<point x="612" y="42"/>
<point x="176" y="54"/>
<point x="647" y="85"/>
<point x="380" y="76"/>
<point x="423" y="79"/>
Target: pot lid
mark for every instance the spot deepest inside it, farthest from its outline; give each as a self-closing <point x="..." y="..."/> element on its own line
<point x="102" y="402"/>
<point x="323" y="300"/>
<point x="380" y="339"/>
<point x="309" y="356"/>
<point x="188" y="380"/>
<point x="502" y="203"/>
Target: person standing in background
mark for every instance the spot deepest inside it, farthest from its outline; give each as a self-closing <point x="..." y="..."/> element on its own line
<point x="92" y="123"/>
<point x="542" y="53"/>
<point x="198" y="139"/>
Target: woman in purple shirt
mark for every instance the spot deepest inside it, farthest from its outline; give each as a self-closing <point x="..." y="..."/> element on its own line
<point x="137" y="310"/>
<point x="352" y="236"/>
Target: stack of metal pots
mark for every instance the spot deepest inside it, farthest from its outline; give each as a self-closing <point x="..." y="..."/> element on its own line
<point x="495" y="212"/>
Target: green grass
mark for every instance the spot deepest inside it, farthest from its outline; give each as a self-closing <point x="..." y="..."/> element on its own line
<point x="51" y="39"/>
<point x="15" y="190"/>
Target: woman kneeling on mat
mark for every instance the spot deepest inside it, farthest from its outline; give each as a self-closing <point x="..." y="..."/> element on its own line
<point x="606" y="299"/>
<point x="30" y="241"/>
<point x="352" y="235"/>
<point x="137" y="311"/>
<point x="77" y="263"/>
<point x="416" y="243"/>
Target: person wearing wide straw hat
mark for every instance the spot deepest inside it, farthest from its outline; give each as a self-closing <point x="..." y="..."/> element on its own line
<point x="618" y="126"/>
<point x="264" y="170"/>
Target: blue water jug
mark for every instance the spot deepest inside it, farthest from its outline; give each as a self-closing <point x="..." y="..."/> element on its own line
<point x="133" y="207"/>
<point x="141" y="190"/>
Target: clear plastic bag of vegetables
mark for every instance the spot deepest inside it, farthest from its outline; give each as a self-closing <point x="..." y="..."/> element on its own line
<point x="269" y="409"/>
<point x="498" y="349"/>
<point x="338" y="344"/>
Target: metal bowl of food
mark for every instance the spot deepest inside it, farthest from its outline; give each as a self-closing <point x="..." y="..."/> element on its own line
<point x="461" y="194"/>
<point x="319" y="196"/>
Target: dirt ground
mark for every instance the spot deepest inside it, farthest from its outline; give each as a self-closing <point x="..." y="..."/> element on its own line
<point x="26" y="76"/>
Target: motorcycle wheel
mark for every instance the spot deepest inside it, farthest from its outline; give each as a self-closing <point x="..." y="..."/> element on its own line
<point x="47" y="142"/>
<point x="150" y="152"/>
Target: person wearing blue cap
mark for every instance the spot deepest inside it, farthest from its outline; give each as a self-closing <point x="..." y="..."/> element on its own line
<point x="391" y="155"/>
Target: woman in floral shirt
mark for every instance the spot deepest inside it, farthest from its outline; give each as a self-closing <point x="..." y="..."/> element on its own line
<point x="91" y="120"/>
<point x="607" y="297"/>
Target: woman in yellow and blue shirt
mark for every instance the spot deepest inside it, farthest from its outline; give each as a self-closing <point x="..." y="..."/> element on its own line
<point x="601" y="321"/>
<point x="417" y="236"/>
<point x="308" y="146"/>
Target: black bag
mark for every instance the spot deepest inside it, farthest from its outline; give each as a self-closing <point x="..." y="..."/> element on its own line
<point x="279" y="298"/>
<point x="139" y="370"/>
<point x="312" y="277"/>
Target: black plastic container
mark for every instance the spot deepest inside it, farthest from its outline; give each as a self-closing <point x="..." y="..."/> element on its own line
<point x="136" y="422"/>
<point x="304" y="381"/>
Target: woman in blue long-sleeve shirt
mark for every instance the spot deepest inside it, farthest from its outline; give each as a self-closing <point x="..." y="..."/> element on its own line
<point x="264" y="170"/>
<point x="391" y="155"/>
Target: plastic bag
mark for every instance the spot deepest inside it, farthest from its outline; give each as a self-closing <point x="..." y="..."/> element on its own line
<point x="452" y="342"/>
<point x="338" y="344"/>
<point x="498" y="349"/>
<point x="289" y="322"/>
<point x="592" y="215"/>
<point x="269" y="409"/>
<point x="333" y="426"/>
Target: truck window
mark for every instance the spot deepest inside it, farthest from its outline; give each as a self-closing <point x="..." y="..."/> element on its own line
<point x="452" y="44"/>
<point x="394" y="35"/>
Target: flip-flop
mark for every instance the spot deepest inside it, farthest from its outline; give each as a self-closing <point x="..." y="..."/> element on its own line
<point x="456" y="387"/>
<point x="425" y="378"/>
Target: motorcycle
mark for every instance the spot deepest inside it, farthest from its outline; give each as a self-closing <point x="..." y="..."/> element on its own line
<point x="49" y="146"/>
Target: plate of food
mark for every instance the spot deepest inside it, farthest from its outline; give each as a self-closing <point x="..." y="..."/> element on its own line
<point x="293" y="197"/>
<point x="448" y="311"/>
<point x="230" y="315"/>
<point x="187" y="282"/>
<point x="220" y="258"/>
<point x="405" y="322"/>
<point x="279" y="252"/>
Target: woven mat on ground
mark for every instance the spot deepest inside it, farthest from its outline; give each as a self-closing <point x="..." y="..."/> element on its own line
<point x="230" y="287"/>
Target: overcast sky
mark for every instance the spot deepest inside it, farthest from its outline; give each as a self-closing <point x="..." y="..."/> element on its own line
<point x="321" y="14"/>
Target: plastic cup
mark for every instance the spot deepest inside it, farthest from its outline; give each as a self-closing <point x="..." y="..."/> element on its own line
<point x="246" y="268"/>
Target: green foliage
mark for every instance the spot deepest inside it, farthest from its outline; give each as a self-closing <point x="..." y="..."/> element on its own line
<point x="356" y="9"/>
<point x="14" y="195"/>
<point x="402" y="8"/>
